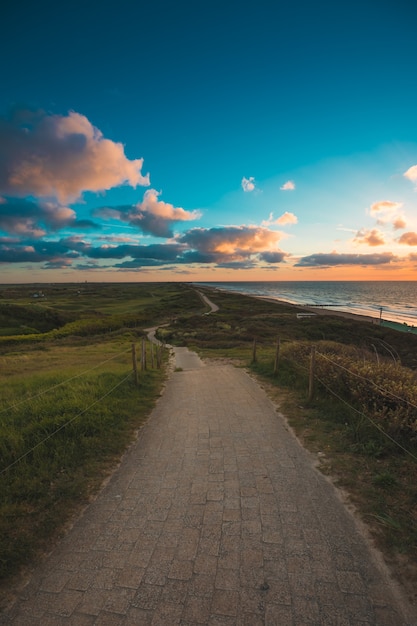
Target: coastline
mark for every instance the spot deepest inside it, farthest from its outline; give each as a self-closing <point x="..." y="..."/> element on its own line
<point x="320" y="310"/>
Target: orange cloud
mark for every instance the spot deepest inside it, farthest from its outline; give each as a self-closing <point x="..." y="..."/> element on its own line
<point x="385" y="210"/>
<point x="399" y="224"/>
<point x="370" y="237"/>
<point x="410" y="239"/>
<point x="56" y="156"/>
<point x="287" y="218"/>
<point x="232" y="239"/>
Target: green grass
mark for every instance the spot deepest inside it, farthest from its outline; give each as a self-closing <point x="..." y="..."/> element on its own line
<point x="41" y="492"/>
<point x="378" y="476"/>
<point x="69" y="405"/>
<point x="58" y="439"/>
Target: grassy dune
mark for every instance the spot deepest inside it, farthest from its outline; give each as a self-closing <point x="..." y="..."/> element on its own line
<point x="69" y="406"/>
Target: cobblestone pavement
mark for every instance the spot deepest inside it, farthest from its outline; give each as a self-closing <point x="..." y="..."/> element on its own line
<point x="216" y="516"/>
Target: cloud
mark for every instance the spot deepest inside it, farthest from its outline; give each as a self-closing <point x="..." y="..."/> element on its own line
<point x="27" y="218"/>
<point x="411" y="174"/>
<point x="272" y="257"/>
<point x="60" y="157"/>
<point x="231" y="240"/>
<point x="410" y="239"/>
<point x="248" y="184"/>
<point x="151" y="216"/>
<point x="333" y="259"/>
<point x="286" y="219"/>
<point x="399" y="223"/>
<point x="230" y="247"/>
<point x="385" y="211"/>
<point x="288" y="186"/>
<point x="370" y="237"/>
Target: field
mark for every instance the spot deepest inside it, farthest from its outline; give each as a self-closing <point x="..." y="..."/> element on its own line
<point x="69" y="404"/>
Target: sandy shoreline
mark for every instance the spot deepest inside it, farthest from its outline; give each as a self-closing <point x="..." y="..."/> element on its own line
<point x="318" y="310"/>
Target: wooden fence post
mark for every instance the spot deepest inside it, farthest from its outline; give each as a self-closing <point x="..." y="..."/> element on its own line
<point x="143" y="359"/>
<point x="276" y="357"/>
<point x="152" y="357"/>
<point x="254" y="351"/>
<point x="135" y="364"/>
<point x="312" y="373"/>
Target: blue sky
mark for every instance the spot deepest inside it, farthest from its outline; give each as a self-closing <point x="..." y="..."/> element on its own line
<point x="279" y="141"/>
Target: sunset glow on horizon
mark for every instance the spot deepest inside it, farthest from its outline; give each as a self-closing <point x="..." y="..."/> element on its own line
<point x="208" y="142"/>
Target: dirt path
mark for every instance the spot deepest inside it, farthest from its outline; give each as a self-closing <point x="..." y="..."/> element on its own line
<point x="216" y="516"/>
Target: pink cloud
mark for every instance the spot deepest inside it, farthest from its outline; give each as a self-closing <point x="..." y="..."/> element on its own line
<point x="288" y="186"/>
<point x="56" y="156"/>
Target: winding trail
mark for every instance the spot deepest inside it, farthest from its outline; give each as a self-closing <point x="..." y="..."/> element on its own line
<point x="215" y="516"/>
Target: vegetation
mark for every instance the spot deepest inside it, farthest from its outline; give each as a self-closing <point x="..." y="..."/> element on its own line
<point x="69" y="405"/>
<point x="362" y="418"/>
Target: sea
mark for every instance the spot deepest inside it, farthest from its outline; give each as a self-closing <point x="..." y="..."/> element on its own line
<point x="391" y="301"/>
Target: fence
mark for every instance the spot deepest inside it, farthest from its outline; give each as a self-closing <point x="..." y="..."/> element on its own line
<point x="382" y="392"/>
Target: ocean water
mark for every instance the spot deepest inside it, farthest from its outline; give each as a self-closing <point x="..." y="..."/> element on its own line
<point x="394" y="301"/>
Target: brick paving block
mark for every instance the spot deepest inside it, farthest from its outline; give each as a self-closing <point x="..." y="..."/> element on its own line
<point x="109" y="619"/>
<point x="174" y="592"/>
<point x="181" y="570"/>
<point x="55" y="582"/>
<point x="92" y="602"/>
<point x="146" y="597"/>
<point x="225" y="602"/>
<point x="138" y="617"/>
<point x="197" y="610"/>
<point x="350" y="582"/>
<point x="118" y="600"/>
<point x="130" y="577"/>
<point x="202" y="585"/>
<point x="227" y="579"/>
<point x="205" y="564"/>
<point x="216" y="516"/>
<point x="167" y="614"/>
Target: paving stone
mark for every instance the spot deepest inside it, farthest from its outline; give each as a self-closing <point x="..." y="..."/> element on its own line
<point x="216" y="516"/>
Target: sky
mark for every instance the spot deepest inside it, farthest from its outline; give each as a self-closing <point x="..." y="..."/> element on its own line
<point x="208" y="141"/>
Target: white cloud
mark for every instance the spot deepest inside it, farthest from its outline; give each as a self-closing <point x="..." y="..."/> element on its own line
<point x="288" y="186"/>
<point x="248" y="184"/>
<point x="411" y="174"/>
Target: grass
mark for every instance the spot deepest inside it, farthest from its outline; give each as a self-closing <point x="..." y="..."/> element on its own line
<point x="378" y="477"/>
<point x="43" y="490"/>
<point x="69" y="405"/>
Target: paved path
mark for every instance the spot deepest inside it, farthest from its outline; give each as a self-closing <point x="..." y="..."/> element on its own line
<point x="217" y="517"/>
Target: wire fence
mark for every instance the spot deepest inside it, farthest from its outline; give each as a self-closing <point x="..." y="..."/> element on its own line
<point x="150" y="357"/>
<point x="304" y="357"/>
